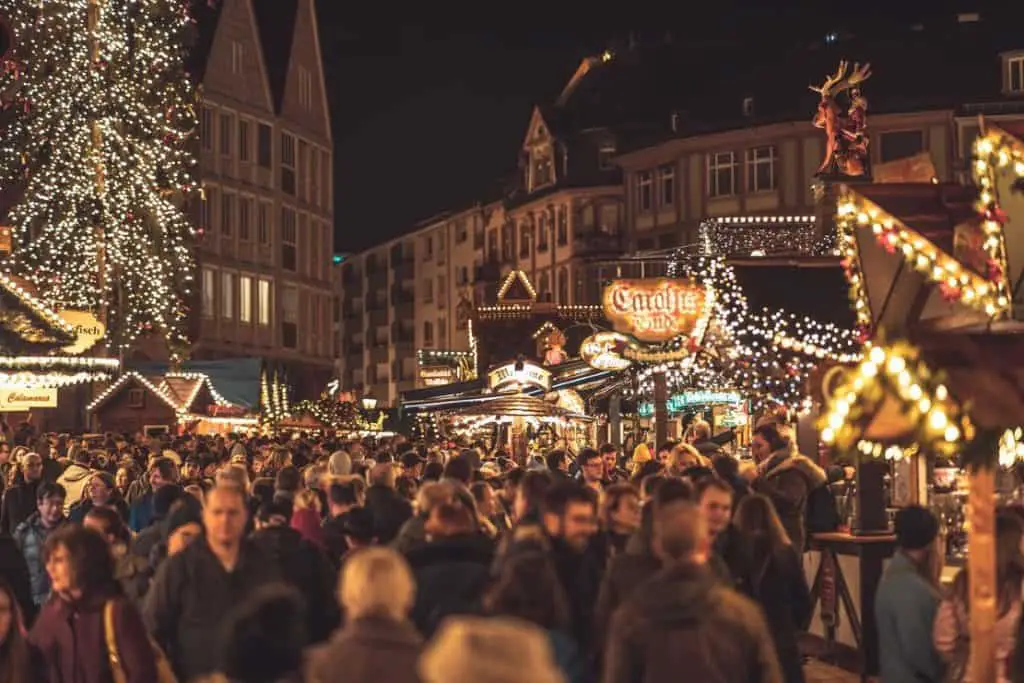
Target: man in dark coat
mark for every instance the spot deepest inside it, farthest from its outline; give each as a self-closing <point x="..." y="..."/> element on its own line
<point x="452" y="568"/>
<point x="390" y="510"/>
<point x="20" y="500"/>
<point x="14" y="570"/>
<point x="193" y="590"/>
<point x="685" y="619"/>
<point x="303" y="565"/>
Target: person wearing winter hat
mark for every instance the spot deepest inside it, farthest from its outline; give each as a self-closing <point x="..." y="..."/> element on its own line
<point x="496" y="650"/>
<point x="907" y="601"/>
<point x="183" y="524"/>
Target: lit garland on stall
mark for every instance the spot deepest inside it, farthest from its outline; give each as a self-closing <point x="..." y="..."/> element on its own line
<point x="273" y="398"/>
<point x="896" y="372"/>
<point x="763" y="235"/>
<point x="425" y="427"/>
<point x="101" y="146"/>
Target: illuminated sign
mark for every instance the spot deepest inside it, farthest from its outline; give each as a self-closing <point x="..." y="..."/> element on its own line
<point x="508" y="378"/>
<point x="17" y="400"/>
<point x="659" y="309"/>
<point x="88" y="330"/>
<point x="677" y="403"/>
<point x="603" y="351"/>
<point x="437" y="376"/>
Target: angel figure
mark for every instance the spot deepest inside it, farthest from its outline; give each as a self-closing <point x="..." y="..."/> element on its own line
<point x="846" y="130"/>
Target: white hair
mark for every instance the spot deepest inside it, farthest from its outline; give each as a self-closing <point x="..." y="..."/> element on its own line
<point x="377" y="581"/>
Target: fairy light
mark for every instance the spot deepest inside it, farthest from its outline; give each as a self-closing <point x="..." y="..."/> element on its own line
<point x="763" y="235"/>
<point x="102" y="148"/>
<point x="937" y="420"/>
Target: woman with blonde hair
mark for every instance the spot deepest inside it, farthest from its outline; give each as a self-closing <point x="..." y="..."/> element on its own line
<point x="641" y="454"/>
<point x="378" y="643"/>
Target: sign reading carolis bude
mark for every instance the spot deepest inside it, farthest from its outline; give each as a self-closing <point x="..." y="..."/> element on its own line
<point x="20" y="400"/>
<point x="656" y="310"/>
<point x="508" y="378"/>
<point x="603" y="351"/>
<point x="88" y="330"/>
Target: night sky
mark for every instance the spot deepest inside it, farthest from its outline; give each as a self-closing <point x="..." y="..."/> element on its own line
<point x="428" y="111"/>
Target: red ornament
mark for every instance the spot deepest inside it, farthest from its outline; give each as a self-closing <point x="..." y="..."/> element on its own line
<point x="949" y="292"/>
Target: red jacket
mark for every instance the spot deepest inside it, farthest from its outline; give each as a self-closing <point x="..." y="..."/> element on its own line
<point x="71" y="638"/>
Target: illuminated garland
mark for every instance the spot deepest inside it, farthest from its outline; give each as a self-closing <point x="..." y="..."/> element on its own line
<point x="995" y="149"/>
<point x="101" y="147"/>
<point x="937" y="421"/>
<point x="762" y="235"/>
<point x="767" y="355"/>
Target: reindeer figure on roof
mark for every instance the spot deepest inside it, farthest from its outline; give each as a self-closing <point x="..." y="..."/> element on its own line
<point x="846" y="152"/>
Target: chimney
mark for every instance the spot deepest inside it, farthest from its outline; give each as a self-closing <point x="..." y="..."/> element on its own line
<point x="748" y="107"/>
<point x="675" y="122"/>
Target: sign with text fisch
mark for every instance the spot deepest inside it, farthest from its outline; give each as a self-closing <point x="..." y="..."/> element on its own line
<point x="657" y="310"/>
<point x="88" y="330"/>
<point x="20" y="400"/>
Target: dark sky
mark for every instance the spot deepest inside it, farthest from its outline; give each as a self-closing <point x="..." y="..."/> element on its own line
<point x="429" y="110"/>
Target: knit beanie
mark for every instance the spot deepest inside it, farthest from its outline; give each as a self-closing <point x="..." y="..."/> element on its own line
<point x="916" y="527"/>
<point x="186" y="510"/>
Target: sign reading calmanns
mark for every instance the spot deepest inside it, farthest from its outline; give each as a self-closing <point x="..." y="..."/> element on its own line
<point x="508" y="378"/>
<point x="656" y="310"/>
<point x="20" y="400"/>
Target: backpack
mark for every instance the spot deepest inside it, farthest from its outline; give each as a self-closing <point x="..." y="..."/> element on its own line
<point x="822" y="514"/>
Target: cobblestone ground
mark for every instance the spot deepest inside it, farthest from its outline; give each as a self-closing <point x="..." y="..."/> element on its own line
<point x="819" y="672"/>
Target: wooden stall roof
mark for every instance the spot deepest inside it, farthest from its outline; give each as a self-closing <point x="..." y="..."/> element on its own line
<point x="931" y="209"/>
<point x="984" y="369"/>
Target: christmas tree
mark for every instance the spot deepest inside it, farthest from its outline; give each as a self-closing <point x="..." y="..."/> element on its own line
<point x="100" y="112"/>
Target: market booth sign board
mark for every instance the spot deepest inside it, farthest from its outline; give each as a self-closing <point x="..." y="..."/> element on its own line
<point x="657" y="310"/>
<point x="23" y="400"/>
<point x="88" y="330"/>
<point x="508" y="377"/>
<point x="604" y="351"/>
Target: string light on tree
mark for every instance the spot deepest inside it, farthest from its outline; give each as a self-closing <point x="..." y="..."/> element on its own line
<point x="99" y="131"/>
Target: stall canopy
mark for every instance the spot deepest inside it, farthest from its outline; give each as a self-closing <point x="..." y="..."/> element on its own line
<point x="236" y="379"/>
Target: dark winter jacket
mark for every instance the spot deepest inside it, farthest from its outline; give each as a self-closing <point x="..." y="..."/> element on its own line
<point x="31" y="537"/>
<point x="72" y="640"/>
<point x="142" y="512"/>
<point x="81" y="509"/>
<point x="307" y="569"/>
<point x="14" y="571"/>
<point x="685" y="620"/>
<point x="390" y="511"/>
<point x="190" y="597"/>
<point x="788" y="480"/>
<point x="18" y="505"/>
<point x="451" y="575"/>
<point x="368" y="650"/>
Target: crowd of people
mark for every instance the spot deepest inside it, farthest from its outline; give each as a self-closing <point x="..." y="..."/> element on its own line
<point x="135" y="559"/>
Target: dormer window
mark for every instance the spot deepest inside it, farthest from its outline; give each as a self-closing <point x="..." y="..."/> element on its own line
<point x="605" y="155"/>
<point x="542" y="171"/>
<point x="1015" y="74"/>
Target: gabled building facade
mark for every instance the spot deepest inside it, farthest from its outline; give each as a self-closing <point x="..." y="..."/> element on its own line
<point x="413" y="296"/>
<point x="266" y="156"/>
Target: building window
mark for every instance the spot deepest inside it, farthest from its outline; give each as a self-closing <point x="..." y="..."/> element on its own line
<point x="544" y="290"/>
<point x="524" y="241"/>
<point x="227" y="299"/>
<point x="478" y="236"/>
<point x="721" y="174"/>
<point x="305" y="88"/>
<point x="263" y="138"/>
<point x="428" y="248"/>
<point x="263" y="223"/>
<point x="1015" y="74"/>
<point x="288" y="239"/>
<point x="209" y="292"/>
<point x="562" y="216"/>
<point x="303" y="170"/>
<point x="508" y="242"/>
<point x="563" y="286"/>
<point x="315" y="156"/>
<point x="264" y="303"/>
<point x="288" y="163"/>
<point x="542" y="171"/>
<point x="227" y="133"/>
<point x="461" y="233"/>
<point x="666" y="186"/>
<point x="244" y="218"/>
<point x="206" y="129"/>
<point x="428" y="291"/>
<point x="244" y="140"/>
<point x="542" y="233"/>
<point x="227" y="214"/>
<point x="428" y="333"/>
<point x="442" y="291"/>
<point x="605" y="155"/>
<point x="901" y="144"/>
<point x="290" y="317"/>
<point x="136" y="398"/>
<point x="245" y="298"/>
<point x="644" y="187"/>
<point x="442" y="332"/>
<point x="761" y="169"/>
<point x="237" y="57"/>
